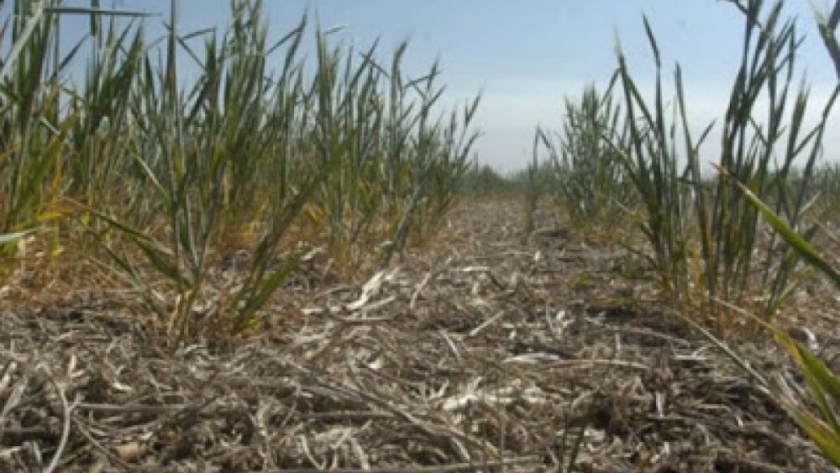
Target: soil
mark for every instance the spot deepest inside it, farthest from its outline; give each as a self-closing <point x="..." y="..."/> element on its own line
<point x="485" y="351"/>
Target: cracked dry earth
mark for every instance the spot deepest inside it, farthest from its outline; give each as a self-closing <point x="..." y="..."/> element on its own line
<point x="483" y="353"/>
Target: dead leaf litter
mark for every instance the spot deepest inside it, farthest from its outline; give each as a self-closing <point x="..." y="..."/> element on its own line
<point x="491" y="352"/>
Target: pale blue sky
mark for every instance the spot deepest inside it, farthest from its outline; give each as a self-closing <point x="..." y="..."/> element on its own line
<point x="526" y="56"/>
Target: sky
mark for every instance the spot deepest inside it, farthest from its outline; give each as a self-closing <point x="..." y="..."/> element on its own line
<point x="527" y="57"/>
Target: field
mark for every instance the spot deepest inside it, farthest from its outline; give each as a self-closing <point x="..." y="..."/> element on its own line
<point x="480" y="351"/>
<point x="285" y="257"/>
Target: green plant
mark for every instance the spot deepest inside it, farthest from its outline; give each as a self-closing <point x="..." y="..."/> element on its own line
<point x="171" y="166"/>
<point x="534" y="188"/>
<point x="194" y="152"/>
<point x="823" y="386"/>
<point x="761" y="153"/>
<point x="484" y="181"/>
<point x="399" y="157"/>
<point x="823" y="190"/>
<point x="589" y="174"/>
<point x="701" y="235"/>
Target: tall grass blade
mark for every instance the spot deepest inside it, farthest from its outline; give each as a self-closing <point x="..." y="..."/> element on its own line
<point x="793" y="238"/>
